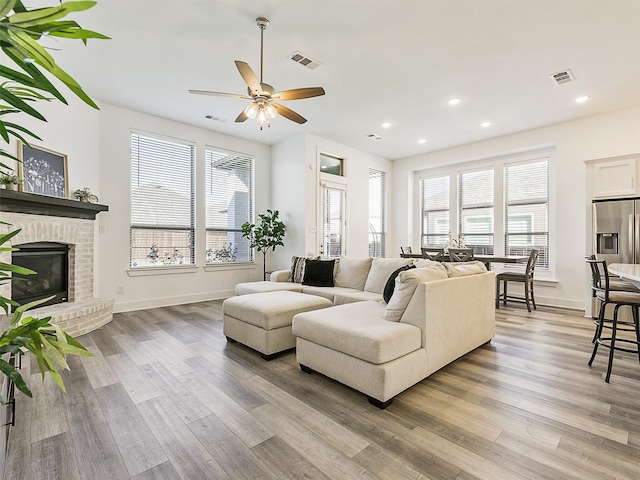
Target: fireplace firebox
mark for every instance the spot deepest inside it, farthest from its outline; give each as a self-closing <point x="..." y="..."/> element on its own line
<point x="50" y="261"/>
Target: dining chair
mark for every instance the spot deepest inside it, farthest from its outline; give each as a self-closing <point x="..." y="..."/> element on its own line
<point x="405" y="250"/>
<point x="597" y="285"/>
<point x="525" y="277"/>
<point x="433" y="253"/>
<point x="460" y="254"/>
<point x="618" y="298"/>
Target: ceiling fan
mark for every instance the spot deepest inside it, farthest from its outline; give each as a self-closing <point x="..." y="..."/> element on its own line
<point x="263" y="107"/>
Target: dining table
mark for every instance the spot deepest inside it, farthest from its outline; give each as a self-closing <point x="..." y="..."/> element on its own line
<point x="486" y="259"/>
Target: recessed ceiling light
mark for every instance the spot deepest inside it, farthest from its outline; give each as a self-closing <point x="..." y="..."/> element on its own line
<point x="386" y="125"/>
<point x="485" y="124"/>
<point x="454" y="101"/>
<point x="422" y="140"/>
<point x="582" y="99"/>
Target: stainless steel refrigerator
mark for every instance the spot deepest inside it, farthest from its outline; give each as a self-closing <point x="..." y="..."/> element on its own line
<point x="616" y="230"/>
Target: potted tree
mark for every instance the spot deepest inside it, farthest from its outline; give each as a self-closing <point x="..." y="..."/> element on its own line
<point x="266" y="235"/>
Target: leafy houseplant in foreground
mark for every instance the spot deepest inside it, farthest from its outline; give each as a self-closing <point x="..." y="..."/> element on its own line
<point x="267" y="234"/>
<point x="24" y="85"/>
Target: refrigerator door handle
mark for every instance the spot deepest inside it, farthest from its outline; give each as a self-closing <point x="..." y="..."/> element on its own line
<point x="636" y="233"/>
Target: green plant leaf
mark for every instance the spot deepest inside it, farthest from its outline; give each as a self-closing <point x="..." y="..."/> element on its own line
<point x="18" y="103"/>
<point x="14" y="375"/>
<point x="42" y="81"/>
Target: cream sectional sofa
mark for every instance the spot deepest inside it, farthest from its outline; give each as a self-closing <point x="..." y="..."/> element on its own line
<point x="437" y="313"/>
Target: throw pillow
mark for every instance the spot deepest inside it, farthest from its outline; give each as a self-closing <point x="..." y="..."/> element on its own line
<point x="297" y="269"/>
<point x="318" y="273"/>
<point x="381" y="268"/>
<point x="352" y="272"/>
<point x="406" y="284"/>
<point x="424" y="262"/>
<point x="391" y="282"/>
<point x="462" y="269"/>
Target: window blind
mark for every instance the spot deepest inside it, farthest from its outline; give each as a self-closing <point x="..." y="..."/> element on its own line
<point x="476" y="214"/>
<point x="377" y="197"/>
<point x="526" y="187"/>
<point x="434" y="195"/>
<point x="162" y="201"/>
<point x="229" y="204"/>
<point x="333" y="221"/>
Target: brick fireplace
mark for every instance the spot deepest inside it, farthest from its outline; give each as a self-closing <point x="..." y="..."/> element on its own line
<point x="49" y="219"/>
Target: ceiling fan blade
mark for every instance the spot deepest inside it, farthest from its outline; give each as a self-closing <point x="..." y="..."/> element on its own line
<point x="299" y="93"/>
<point x="219" y="94"/>
<point x="249" y="77"/>
<point x="242" y="117"/>
<point x="288" y="113"/>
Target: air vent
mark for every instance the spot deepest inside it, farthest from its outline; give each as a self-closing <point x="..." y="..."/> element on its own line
<point x="304" y="60"/>
<point x="216" y="119"/>
<point x="562" y="77"/>
<point x="373" y="136"/>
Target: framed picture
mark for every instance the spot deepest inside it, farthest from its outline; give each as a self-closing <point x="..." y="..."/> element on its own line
<point x="42" y="171"/>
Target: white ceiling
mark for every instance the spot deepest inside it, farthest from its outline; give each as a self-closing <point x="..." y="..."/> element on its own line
<point x="395" y="61"/>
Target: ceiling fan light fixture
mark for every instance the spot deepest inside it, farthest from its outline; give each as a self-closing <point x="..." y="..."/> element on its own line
<point x="252" y="110"/>
<point x="270" y="111"/>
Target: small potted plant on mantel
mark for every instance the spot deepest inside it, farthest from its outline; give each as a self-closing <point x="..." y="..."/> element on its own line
<point x="10" y="181"/>
<point x="84" y="195"/>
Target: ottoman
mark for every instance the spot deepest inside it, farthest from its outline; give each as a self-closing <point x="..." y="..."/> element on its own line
<point x="262" y="321"/>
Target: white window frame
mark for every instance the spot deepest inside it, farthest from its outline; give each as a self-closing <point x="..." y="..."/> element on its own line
<point x="380" y="203"/>
<point x="173" y="262"/>
<point x="497" y="162"/>
<point x="209" y="150"/>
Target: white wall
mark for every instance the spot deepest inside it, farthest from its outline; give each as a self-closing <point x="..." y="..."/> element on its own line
<point x="601" y="136"/>
<point x="295" y="191"/>
<point x="173" y="288"/>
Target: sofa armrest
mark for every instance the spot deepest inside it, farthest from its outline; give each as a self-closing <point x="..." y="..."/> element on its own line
<point x="280" y="276"/>
<point x="455" y="315"/>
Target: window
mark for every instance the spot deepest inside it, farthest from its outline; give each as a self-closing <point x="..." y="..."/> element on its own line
<point x="434" y="195"/>
<point x="376" y="213"/>
<point x="333" y="220"/>
<point x="526" y="194"/>
<point x="331" y="165"/>
<point x="162" y="205"/>
<point x="229" y="204"/>
<point x="475" y="203"/>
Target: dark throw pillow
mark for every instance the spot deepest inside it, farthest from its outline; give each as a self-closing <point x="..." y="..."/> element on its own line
<point x="391" y="282"/>
<point x="318" y="273"/>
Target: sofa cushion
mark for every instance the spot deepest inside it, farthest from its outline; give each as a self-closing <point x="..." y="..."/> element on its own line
<point x="406" y="284"/>
<point x="391" y="282"/>
<point x="358" y="330"/>
<point x="352" y="272"/>
<point x="381" y="268"/>
<point x="340" y="298"/>
<point x="462" y="269"/>
<point x="266" y="286"/>
<point x="318" y="273"/>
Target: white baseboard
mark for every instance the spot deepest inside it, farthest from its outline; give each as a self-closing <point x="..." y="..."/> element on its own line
<point x="170" y="301"/>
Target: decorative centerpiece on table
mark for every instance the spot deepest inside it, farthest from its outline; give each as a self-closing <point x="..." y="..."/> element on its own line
<point x="455" y="242"/>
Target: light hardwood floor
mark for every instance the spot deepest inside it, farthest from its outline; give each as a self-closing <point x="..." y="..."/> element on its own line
<point x="165" y="397"/>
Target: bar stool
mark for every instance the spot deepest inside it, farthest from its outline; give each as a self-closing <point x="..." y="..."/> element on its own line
<point x="618" y="298"/>
<point x="615" y="283"/>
